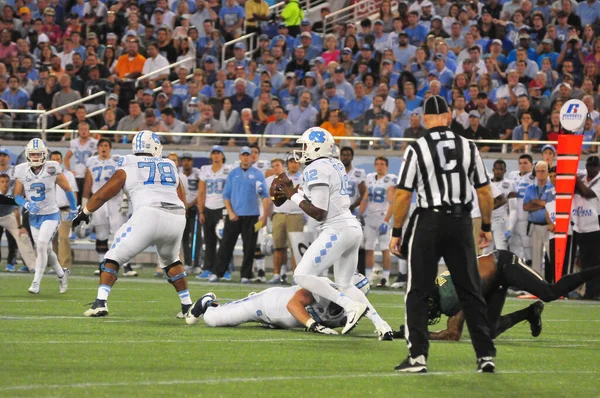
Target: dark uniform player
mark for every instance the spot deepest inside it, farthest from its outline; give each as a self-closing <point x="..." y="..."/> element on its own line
<point x="499" y="270"/>
<point x="443" y="167"/>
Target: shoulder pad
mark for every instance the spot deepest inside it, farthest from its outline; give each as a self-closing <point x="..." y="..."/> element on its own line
<point x="531" y="177"/>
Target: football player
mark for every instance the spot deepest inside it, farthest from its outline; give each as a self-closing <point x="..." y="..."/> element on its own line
<point x="279" y="307"/>
<point x="324" y="197"/>
<point x="356" y="191"/>
<point x="157" y="197"/>
<point x="35" y="190"/>
<point x="500" y="214"/>
<point x="80" y="149"/>
<point x="286" y="218"/>
<point x="8" y="170"/>
<point x="211" y="206"/>
<point x="192" y="236"/>
<point x="517" y="234"/>
<point x="108" y="219"/>
<point x="376" y="207"/>
<point x="499" y="270"/>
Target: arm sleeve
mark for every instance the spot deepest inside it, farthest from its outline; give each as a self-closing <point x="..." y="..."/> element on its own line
<point x="319" y="195"/>
<point x="512" y="213"/>
<point x="408" y="171"/>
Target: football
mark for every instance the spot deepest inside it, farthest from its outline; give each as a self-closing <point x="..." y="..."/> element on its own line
<point x="277" y="187"/>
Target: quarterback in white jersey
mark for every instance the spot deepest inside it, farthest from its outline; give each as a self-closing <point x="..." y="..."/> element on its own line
<point x="277" y="307"/>
<point x="376" y="208"/>
<point x="519" y="241"/>
<point x="80" y="149"/>
<point x="157" y="197"/>
<point x="34" y="189"/>
<point x="211" y="206"/>
<point x="108" y="218"/>
<point x="324" y="197"/>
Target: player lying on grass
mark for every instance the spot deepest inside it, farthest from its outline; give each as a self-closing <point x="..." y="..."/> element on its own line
<point x="500" y="270"/>
<point x="283" y="308"/>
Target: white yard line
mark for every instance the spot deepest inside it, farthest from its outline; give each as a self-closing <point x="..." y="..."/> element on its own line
<point x="277" y="379"/>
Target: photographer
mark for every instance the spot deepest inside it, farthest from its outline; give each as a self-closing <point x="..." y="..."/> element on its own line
<point x="571" y="51"/>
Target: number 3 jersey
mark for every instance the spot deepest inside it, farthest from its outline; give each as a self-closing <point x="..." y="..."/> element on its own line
<point x="215" y="184"/>
<point x="101" y="170"/>
<point x="40" y="188"/>
<point x="150" y="181"/>
<point x="377" y="189"/>
<point x="332" y="173"/>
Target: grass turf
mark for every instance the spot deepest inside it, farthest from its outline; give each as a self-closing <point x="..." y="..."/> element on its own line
<point x="49" y="349"/>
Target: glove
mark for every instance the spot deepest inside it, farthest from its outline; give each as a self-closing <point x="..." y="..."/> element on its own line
<point x="72" y="214"/>
<point x="316" y="327"/>
<point x="79" y="218"/>
<point x="258" y="226"/>
<point x="507" y="234"/>
<point x="400" y="333"/>
<point x="31" y="207"/>
<point x="384" y="228"/>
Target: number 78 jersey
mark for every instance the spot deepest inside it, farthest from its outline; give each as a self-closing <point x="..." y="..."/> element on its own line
<point x="150" y="180"/>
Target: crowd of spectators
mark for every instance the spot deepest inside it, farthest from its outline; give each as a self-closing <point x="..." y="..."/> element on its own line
<point x="506" y="68"/>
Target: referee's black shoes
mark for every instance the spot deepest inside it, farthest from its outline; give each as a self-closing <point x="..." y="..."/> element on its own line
<point x="413" y="365"/>
<point x="486" y="365"/>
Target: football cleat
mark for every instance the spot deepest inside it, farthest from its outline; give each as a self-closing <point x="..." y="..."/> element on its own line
<point x="97" y="311"/>
<point x="535" y="318"/>
<point x="353" y="316"/>
<point x="97" y="272"/>
<point x="486" y="365"/>
<point x="63" y="283"/>
<point x="398" y="285"/>
<point x="24" y="269"/>
<point x="34" y="288"/>
<point x="213" y="278"/>
<point x="276" y="280"/>
<point x="10" y="268"/>
<point x="159" y="274"/>
<point x="184" y="309"/>
<point x="260" y="278"/>
<point x="199" y="308"/>
<point x="196" y="270"/>
<point x="227" y="276"/>
<point x="204" y="275"/>
<point x="385" y="333"/>
<point x="413" y="365"/>
<point x="382" y="283"/>
<point x="244" y="280"/>
<point x="127" y="271"/>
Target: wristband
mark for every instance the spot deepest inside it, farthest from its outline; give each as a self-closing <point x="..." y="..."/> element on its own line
<point x="396" y="232"/>
<point x="309" y="323"/>
<point x="86" y="211"/>
<point x="486" y="227"/>
<point x="297" y="199"/>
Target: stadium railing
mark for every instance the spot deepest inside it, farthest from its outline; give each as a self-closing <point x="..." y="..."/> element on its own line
<point x="353" y="13"/>
<point x="262" y="138"/>
<point x="247" y="38"/>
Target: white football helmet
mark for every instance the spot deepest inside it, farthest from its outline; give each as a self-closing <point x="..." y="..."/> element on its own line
<point x="266" y="246"/>
<point x="219" y="228"/>
<point x="316" y="143"/>
<point x="147" y="142"/>
<point x="83" y="230"/>
<point x="361" y="282"/>
<point x="36" y="152"/>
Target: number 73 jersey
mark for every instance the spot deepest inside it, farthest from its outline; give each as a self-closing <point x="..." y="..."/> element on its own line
<point x="150" y="180"/>
<point x="40" y="188"/>
<point x="101" y="170"/>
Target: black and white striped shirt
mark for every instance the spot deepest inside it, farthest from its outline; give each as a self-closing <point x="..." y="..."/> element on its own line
<point x="442" y="167"/>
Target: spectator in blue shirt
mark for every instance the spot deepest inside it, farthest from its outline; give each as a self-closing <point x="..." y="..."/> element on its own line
<point x="417" y="34"/>
<point x="232" y="19"/>
<point x="335" y="101"/>
<point x="589" y="12"/>
<point x="386" y="130"/>
<point x="548" y="52"/>
<point x="444" y="75"/>
<point x="15" y="97"/>
<point x="244" y="185"/>
<point x="410" y="97"/>
<point x="356" y="108"/>
<point x="281" y="126"/>
<point x="306" y="26"/>
<point x="525" y="131"/>
<point x="303" y="116"/>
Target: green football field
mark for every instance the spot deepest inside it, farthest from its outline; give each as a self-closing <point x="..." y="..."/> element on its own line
<point x="48" y="348"/>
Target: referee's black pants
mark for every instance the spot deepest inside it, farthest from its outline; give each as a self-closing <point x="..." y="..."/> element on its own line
<point x="245" y="226"/>
<point x="211" y="219"/>
<point x="589" y="254"/>
<point x="192" y="238"/>
<point x="438" y="235"/>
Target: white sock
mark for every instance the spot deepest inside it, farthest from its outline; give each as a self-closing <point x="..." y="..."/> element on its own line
<point x="101" y="257"/>
<point x="103" y="292"/>
<point x="369" y="272"/>
<point x="283" y="269"/>
<point x="276" y="276"/>
<point x="386" y="274"/>
<point x="185" y="297"/>
<point x="403" y="265"/>
<point x="260" y="264"/>
<point x="320" y="287"/>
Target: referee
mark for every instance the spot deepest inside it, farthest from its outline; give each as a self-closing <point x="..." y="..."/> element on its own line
<point x="441" y="166"/>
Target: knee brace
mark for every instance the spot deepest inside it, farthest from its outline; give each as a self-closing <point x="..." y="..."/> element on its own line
<point x="115" y="273"/>
<point x="172" y="279"/>
<point x="101" y="246"/>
